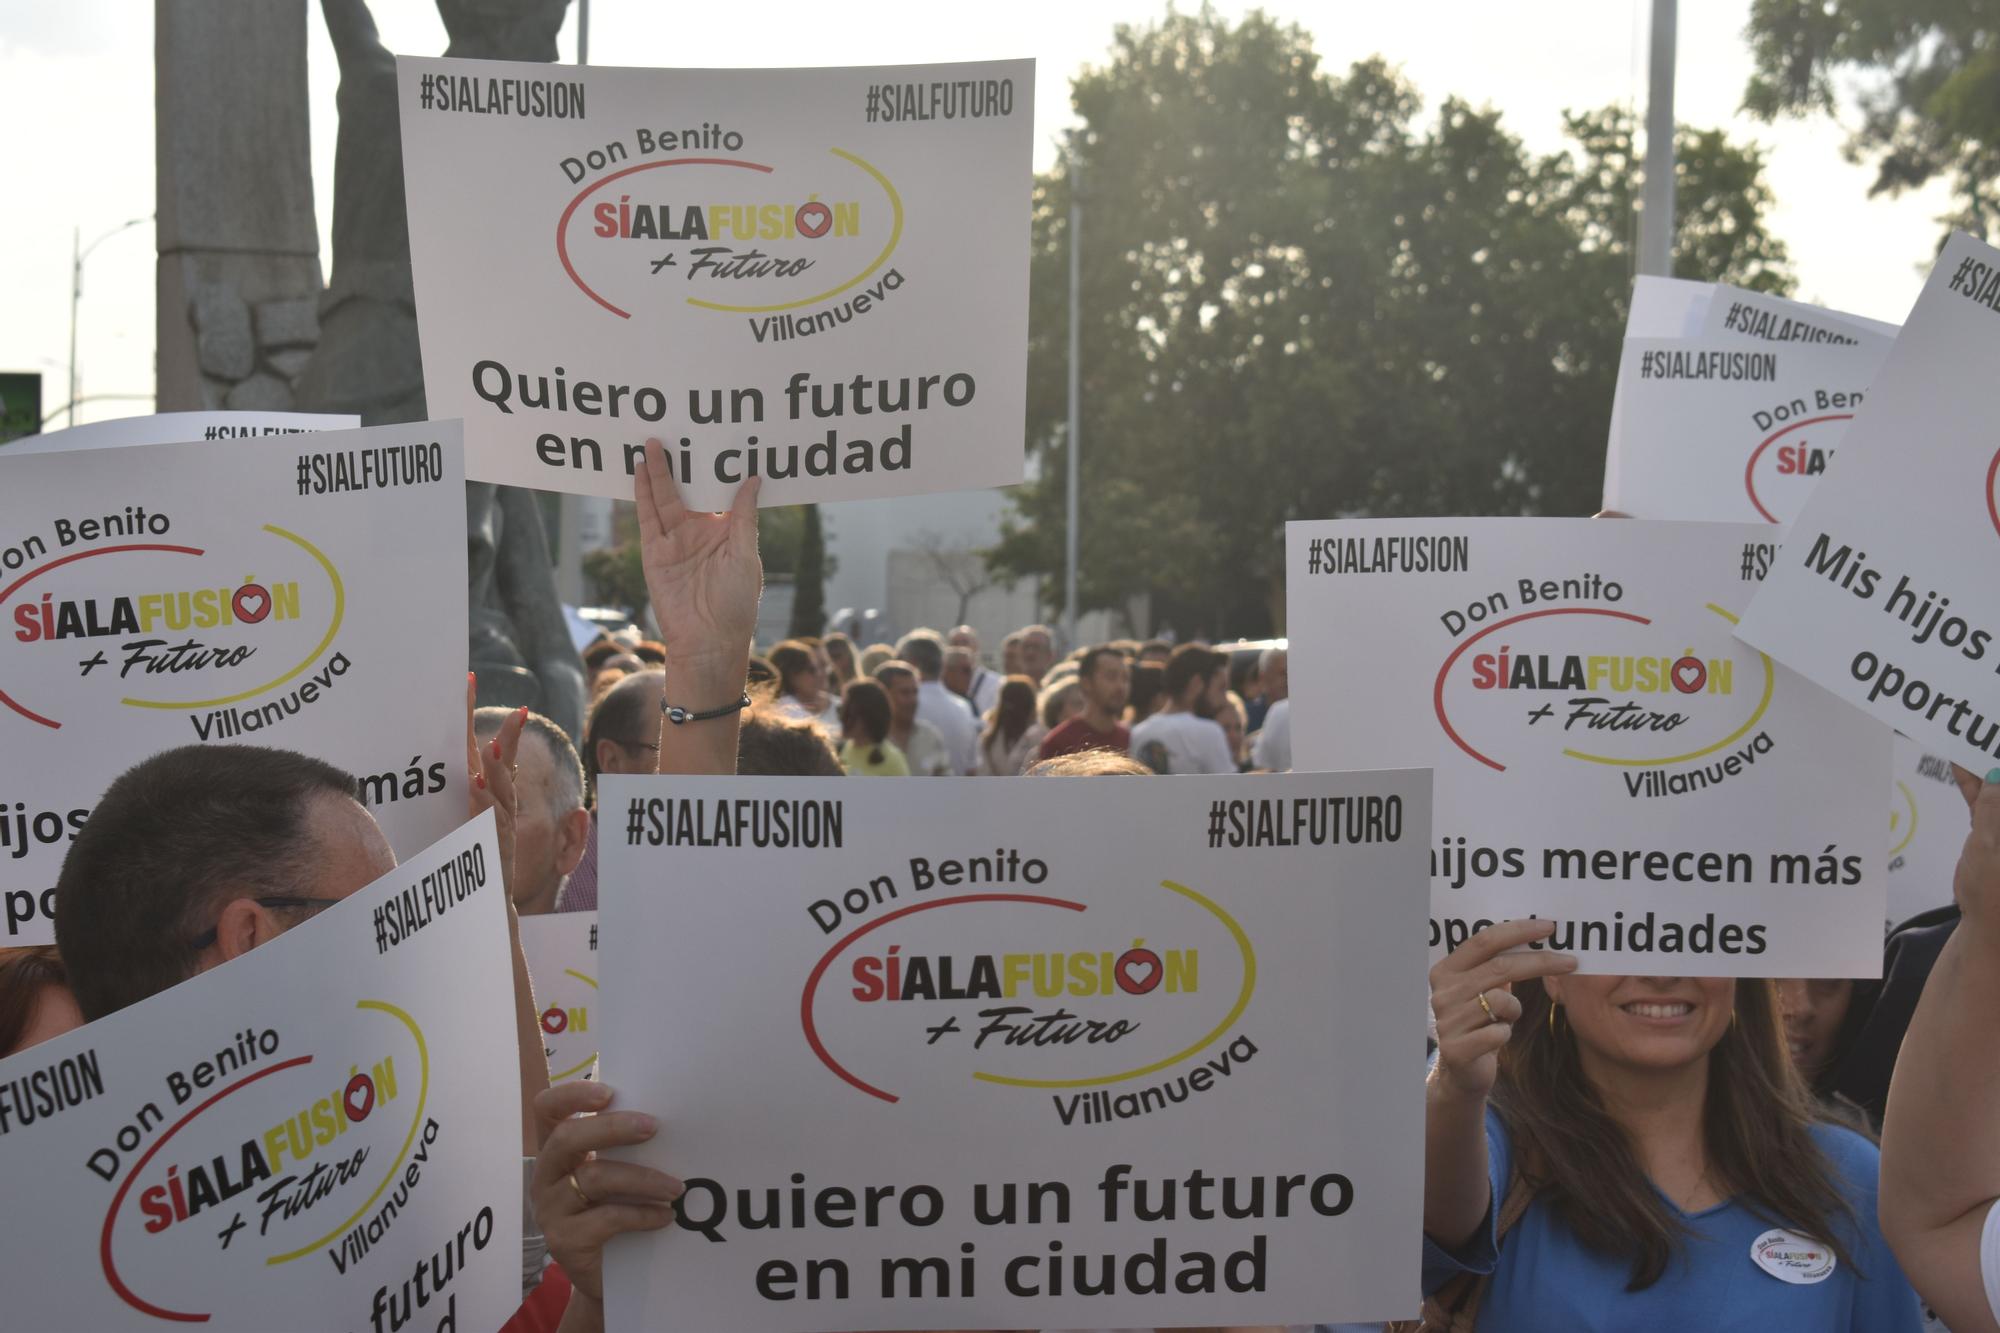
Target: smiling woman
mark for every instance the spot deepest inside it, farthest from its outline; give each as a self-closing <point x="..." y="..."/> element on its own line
<point x="1610" y="1152"/>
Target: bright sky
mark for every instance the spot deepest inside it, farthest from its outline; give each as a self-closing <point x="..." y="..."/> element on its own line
<point x="76" y="96"/>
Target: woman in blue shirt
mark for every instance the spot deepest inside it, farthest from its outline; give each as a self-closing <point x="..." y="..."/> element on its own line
<point x="1654" y="1161"/>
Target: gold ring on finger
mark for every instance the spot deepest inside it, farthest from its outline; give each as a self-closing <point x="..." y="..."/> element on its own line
<point x="1491" y="1017"/>
<point x="586" y="1200"/>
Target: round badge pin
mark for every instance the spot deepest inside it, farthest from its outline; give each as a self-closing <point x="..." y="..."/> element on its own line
<point x="1793" y="1258"/>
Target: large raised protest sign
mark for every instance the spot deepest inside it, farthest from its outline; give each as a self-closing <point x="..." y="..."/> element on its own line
<point x="561" y="949"/>
<point x="816" y="276"/>
<point x="304" y="1138"/>
<point x="1607" y="754"/>
<point x="303" y="591"/>
<point x="931" y="1055"/>
<point x="170" y="427"/>
<point x="1885" y="590"/>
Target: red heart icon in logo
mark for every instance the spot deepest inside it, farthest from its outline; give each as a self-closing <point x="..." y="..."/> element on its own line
<point x="1138" y="971"/>
<point x="251" y="603"/>
<point x="1688" y="677"/>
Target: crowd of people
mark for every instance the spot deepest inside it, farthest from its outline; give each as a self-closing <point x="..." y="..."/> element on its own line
<point x="1602" y="1152"/>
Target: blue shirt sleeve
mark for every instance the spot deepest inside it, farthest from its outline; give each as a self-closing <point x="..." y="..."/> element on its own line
<point x="1482" y="1252"/>
<point x="1883" y="1298"/>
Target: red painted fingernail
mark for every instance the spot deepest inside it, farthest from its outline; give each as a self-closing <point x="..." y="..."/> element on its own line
<point x="479" y="781"/>
<point x="496" y="747"/>
<point x="524" y="711"/>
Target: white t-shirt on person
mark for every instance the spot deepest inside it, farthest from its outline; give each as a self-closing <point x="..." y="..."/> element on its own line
<point x="1182" y="743"/>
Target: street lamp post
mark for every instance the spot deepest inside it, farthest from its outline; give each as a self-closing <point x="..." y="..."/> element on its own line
<point x="79" y="253"/>
<point x="1073" y="443"/>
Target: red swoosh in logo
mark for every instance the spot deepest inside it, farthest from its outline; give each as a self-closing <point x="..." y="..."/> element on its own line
<point x="1437" y="690"/>
<point x="819" y="970"/>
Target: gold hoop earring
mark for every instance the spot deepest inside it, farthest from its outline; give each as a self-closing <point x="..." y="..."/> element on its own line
<point x="1553" y="1006"/>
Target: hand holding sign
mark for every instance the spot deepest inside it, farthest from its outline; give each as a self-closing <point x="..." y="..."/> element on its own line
<point x="1977" y="884"/>
<point x="583" y="1200"/>
<point x="1470" y="1034"/>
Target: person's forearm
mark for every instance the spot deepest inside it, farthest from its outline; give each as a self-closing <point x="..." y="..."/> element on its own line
<point x="528" y="1038"/>
<point x="581" y="1315"/>
<point x="699" y="680"/>
<point x="1456" y="1190"/>
<point x="1941" y="1134"/>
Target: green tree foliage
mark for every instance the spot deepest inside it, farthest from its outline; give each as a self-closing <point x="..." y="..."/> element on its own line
<point x="809" y="583"/>
<point x="1301" y="299"/>
<point x="1926" y="79"/>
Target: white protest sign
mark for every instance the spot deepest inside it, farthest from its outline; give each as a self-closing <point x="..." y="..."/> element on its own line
<point x="982" y="1063"/>
<point x="304" y="591"/>
<point x="1709" y="429"/>
<point x="817" y="276"/>
<point x="561" y="949"/>
<point x="1927" y="827"/>
<point x="1607" y="754"/>
<point x="1884" y="592"/>
<point x="304" y="1138"/>
<point x="175" y="427"/>
<point x="1761" y="317"/>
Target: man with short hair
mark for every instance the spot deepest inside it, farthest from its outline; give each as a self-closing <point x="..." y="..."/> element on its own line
<point x="1010" y="655"/>
<point x="925" y="750"/>
<point x="1184" y="737"/>
<point x="1038" y="652"/>
<point x="1104" y="678"/>
<point x="551" y="826"/>
<point x="952" y="716"/>
<point x="984" y="690"/>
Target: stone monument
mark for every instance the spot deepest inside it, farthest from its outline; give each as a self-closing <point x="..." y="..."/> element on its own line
<point x="364" y="357"/>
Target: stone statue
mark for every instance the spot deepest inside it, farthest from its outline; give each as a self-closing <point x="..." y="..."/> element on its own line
<point x="368" y="362"/>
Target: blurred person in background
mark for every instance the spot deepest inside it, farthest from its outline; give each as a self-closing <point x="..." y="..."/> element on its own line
<point x="1146" y="692"/>
<point x="1060" y="702"/>
<point x="1103" y="683"/>
<point x="923" y="749"/>
<point x="1155" y="652"/>
<point x="1013" y="736"/>
<point x="846" y="666"/>
<point x="1038" y="652"/>
<point x="874" y="655"/>
<point x="985" y="690"/>
<point x="1184" y="737"/>
<point x="1271" y="747"/>
<point x="802" y="694"/>
<point x="1230" y="719"/>
<point x="1274" y="683"/>
<point x="1010" y="654"/>
<point x="943" y="710"/>
<point x="1823" y="1016"/>
<point x="620" y="735"/>
<point x="773" y="745"/>
<point x="35" y="1001"/>
<point x="959" y="668"/>
<point x="865" y="721"/>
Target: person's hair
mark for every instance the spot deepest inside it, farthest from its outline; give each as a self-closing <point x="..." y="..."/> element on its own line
<point x="170" y="840"/>
<point x="790" y="659"/>
<point x="1013" y="639"/>
<point x="1090" y="764"/>
<point x="621" y="714"/>
<point x="894" y="669"/>
<point x="772" y="746"/>
<point x="1156" y="646"/>
<point x="651" y="651"/>
<point x="601" y="650"/>
<point x="1240" y="671"/>
<point x="1087" y="663"/>
<point x="1054" y="701"/>
<point x="1013" y="711"/>
<point x="1048" y="635"/>
<point x="866" y="702"/>
<point x="24" y="974"/>
<point x="565" y="768"/>
<point x="924" y="650"/>
<point x="837" y="645"/>
<point x="1149" y="682"/>
<point x="1268" y="659"/>
<point x="1757" y="1125"/>
<point x="874" y="655"/>
<point x="1191" y="662"/>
